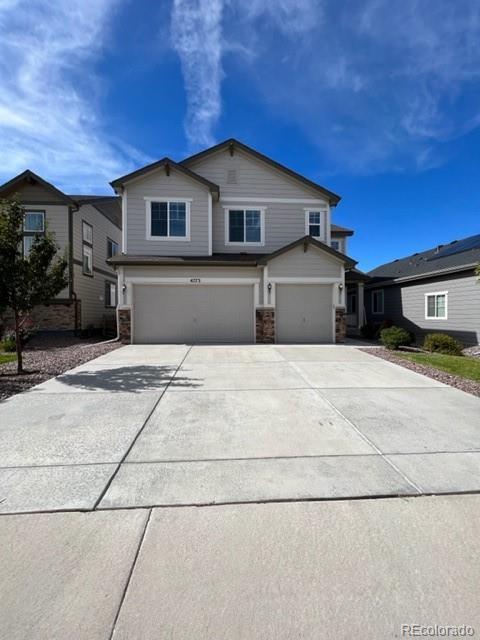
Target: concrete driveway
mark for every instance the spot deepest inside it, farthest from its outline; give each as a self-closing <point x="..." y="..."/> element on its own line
<point x="175" y="425"/>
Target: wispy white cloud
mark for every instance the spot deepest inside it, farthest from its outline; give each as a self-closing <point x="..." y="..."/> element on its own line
<point x="196" y="36"/>
<point x="48" y="103"/>
<point x="376" y="86"/>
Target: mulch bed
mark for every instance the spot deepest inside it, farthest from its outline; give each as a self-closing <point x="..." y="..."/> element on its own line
<point x="470" y="386"/>
<point x="47" y="356"/>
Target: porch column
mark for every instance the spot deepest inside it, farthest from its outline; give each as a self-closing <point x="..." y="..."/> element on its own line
<point x="360" y="305"/>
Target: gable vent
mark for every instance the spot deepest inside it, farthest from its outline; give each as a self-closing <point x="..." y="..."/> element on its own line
<point x="232" y="176"/>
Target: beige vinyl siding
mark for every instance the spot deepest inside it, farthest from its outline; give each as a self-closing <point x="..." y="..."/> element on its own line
<point x="253" y="177"/>
<point x="284" y="222"/>
<point x="175" y="186"/>
<point x="91" y="290"/>
<point x="297" y="263"/>
<point x="91" y="293"/>
<point x="34" y="198"/>
<point x="37" y="193"/>
<point x="405" y="305"/>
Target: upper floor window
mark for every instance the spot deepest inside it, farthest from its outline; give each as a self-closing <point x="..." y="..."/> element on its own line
<point x="436" y="305"/>
<point x="87" y="248"/>
<point x="168" y="220"/>
<point x="87" y="232"/>
<point x="335" y="244"/>
<point x="313" y="223"/>
<point x="33" y="225"/>
<point x="377" y="301"/>
<point x="244" y="226"/>
<point x="112" y="248"/>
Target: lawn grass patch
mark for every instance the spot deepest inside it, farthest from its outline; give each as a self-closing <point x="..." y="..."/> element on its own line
<point x="7" y="357"/>
<point x="456" y="365"/>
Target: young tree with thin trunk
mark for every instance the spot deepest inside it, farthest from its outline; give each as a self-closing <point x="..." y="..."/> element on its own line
<point x="26" y="281"/>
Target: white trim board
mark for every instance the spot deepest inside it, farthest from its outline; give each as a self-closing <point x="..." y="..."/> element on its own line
<point x="436" y="293"/>
<point x="148" y="219"/>
<point x="210" y="224"/>
<point x="244" y="207"/>
<point x="301" y="280"/>
<point x="319" y="203"/>
<point x="193" y="281"/>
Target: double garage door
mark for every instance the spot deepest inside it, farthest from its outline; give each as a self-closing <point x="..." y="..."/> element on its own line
<point x="193" y="314"/>
<point x="197" y="314"/>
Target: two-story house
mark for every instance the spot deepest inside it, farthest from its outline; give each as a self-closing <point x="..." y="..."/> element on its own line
<point x="87" y="231"/>
<point x="229" y="246"/>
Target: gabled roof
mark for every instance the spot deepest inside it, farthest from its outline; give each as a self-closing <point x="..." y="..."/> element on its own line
<point x="168" y="164"/>
<point x="458" y="255"/>
<point x="306" y="241"/>
<point x="232" y="143"/>
<point x="32" y="178"/>
<point x="109" y="206"/>
<point x="231" y="259"/>
<point x="341" y="231"/>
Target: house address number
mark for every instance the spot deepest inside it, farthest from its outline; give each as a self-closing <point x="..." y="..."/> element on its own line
<point x="195" y="280"/>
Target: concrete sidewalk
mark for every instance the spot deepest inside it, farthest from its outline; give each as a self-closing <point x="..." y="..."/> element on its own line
<point x="164" y="425"/>
<point x="342" y="569"/>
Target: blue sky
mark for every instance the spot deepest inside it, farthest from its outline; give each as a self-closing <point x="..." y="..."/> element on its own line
<point x="376" y="100"/>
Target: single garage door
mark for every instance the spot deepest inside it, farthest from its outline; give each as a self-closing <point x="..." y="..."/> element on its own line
<point x="193" y="314"/>
<point x="304" y="313"/>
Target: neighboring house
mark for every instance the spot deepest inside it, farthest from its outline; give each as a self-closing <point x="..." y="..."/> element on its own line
<point x="228" y="246"/>
<point x="431" y="291"/>
<point x="88" y="231"/>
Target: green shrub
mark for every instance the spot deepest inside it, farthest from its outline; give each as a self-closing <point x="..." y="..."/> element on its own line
<point x="8" y="343"/>
<point x="442" y="343"/>
<point x="394" y="337"/>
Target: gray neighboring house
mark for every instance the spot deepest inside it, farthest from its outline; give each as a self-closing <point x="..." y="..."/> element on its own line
<point x="88" y="229"/>
<point x="431" y="291"/>
<point x="229" y="246"/>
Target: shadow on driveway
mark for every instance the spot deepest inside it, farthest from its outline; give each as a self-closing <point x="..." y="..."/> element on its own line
<point x="131" y="379"/>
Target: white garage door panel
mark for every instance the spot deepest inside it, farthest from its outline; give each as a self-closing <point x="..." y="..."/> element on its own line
<point x="193" y="314"/>
<point x="304" y="313"/>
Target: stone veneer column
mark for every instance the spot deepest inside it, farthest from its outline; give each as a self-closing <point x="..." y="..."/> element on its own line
<point x="125" y="325"/>
<point x="340" y="325"/>
<point x="265" y="325"/>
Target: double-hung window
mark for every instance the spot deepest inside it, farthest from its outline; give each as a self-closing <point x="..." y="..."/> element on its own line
<point x="313" y="225"/>
<point x="112" y="248"/>
<point x="33" y="226"/>
<point x="87" y="248"/>
<point x="244" y="226"/>
<point x="436" y="305"/>
<point x="335" y="244"/>
<point x="168" y="220"/>
<point x="377" y="301"/>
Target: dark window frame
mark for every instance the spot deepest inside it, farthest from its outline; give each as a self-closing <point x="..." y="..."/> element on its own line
<point x="108" y="299"/>
<point x="89" y="245"/>
<point x="32" y="234"/>
<point x="109" y="240"/>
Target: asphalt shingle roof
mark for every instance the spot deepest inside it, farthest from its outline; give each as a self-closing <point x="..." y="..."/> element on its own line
<point x="440" y="258"/>
<point x="110" y="206"/>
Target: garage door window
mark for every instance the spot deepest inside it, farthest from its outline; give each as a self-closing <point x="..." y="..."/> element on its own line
<point x="169" y="220"/>
<point x="244" y="226"/>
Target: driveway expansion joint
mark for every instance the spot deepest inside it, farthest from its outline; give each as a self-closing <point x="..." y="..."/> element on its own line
<point x="137" y="435"/>
<point x="130" y="574"/>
